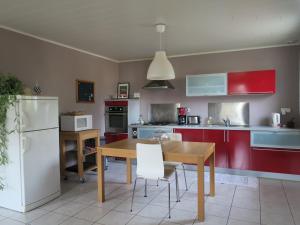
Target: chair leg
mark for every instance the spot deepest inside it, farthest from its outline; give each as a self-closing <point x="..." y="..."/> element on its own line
<point x="177" y="186"/>
<point x="169" y="194"/>
<point x="133" y="194"/>
<point x="157" y="182"/>
<point x="186" y="187"/>
<point x="145" y="188"/>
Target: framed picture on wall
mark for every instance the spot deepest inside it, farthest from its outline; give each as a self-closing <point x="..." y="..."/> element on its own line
<point x="85" y="91"/>
<point x="123" y="90"/>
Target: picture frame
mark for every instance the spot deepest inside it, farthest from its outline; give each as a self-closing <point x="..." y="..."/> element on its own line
<point x="85" y="91"/>
<point x="123" y="90"/>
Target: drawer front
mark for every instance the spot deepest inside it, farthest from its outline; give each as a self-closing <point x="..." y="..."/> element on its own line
<point x="278" y="139"/>
<point x="148" y="133"/>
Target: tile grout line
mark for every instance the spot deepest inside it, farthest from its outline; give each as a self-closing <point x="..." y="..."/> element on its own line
<point x="231" y="204"/>
<point x="290" y="208"/>
<point x="259" y="199"/>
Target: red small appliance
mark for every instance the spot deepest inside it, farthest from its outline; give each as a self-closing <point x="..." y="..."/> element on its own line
<point x="182" y="115"/>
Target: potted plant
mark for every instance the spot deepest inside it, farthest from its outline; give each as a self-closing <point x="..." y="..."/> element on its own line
<point x="10" y="87"/>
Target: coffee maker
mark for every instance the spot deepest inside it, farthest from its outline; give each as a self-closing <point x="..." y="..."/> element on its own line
<point x="182" y="115"/>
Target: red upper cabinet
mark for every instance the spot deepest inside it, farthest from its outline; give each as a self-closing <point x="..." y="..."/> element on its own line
<point x="252" y="82"/>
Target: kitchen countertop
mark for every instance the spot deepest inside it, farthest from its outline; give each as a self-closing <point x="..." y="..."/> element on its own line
<point x="218" y="127"/>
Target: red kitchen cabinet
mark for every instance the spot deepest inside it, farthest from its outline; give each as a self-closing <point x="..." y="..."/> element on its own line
<point x="112" y="137"/>
<point x="252" y="82"/>
<point x="276" y="160"/>
<point x="239" y="151"/>
<point x="218" y="137"/>
<point x="195" y="135"/>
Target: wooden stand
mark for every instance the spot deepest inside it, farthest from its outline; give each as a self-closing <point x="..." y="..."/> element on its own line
<point x="80" y="137"/>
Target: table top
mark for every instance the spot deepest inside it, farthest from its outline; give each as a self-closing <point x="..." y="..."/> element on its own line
<point x="186" y="152"/>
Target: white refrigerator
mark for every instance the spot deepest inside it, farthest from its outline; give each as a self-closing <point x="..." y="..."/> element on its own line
<point x="32" y="176"/>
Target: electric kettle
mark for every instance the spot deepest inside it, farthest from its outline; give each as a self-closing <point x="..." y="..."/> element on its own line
<point x="275" y="120"/>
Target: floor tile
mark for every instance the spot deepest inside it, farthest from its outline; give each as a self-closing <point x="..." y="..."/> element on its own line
<point x="28" y="216"/>
<point x="109" y="203"/>
<point x="276" y="219"/>
<point x="162" y="201"/>
<point x="115" y="218"/>
<point x="245" y="215"/>
<point x="182" y="217"/>
<point x="217" y="210"/>
<point x="270" y="207"/>
<point x="154" y="211"/>
<point x="75" y="221"/>
<point x="126" y="206"/>
<point x="2" y="217"/>
<point x="246" y="203"/>
<point x="212" y="220"/>
<point x="70" y="208"/>
<point x="140" y="220"/>
<point x="50" y="219"/>
<point x="8" y="221"/>
<point x="92" y="214"/>
<point x="239" y="222"/>
<point x="220" y="200"/>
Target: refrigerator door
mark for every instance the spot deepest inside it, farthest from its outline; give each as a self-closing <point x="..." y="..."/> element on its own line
<point x="37" y="114"/>
<point x="40" y="159"/>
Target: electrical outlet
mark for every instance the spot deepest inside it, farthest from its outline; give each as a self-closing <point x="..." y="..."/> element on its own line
<point x="284" y="111"/>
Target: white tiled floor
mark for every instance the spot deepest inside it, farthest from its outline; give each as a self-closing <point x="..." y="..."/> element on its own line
<point x="273" y="202"/>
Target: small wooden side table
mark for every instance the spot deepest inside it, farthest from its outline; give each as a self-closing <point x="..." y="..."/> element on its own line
<point x="80" y="137"/>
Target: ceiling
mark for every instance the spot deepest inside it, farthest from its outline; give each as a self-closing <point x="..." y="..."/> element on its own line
<point x="124" y="29"/>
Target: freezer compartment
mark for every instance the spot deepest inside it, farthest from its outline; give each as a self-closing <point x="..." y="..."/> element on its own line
<point x="38" y="114"/>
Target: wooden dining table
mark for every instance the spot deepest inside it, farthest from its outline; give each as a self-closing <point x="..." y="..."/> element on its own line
<point x="196" y="153"/>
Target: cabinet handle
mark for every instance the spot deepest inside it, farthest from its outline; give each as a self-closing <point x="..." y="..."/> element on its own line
<point x="224" y="136"/>
<point x="228" y="136"/>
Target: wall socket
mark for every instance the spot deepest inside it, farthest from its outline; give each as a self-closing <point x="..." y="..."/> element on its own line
<point x="284" y="111"/>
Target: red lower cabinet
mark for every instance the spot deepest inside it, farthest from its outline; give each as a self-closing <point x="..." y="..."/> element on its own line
<point x="276" y="160"/>
<point x="217" y="137"/>
<point x="112" y="137"/>
<point x="239" y="151"/>
<point x="195" y="135"/>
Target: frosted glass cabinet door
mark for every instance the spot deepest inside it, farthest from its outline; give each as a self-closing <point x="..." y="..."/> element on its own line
<point x="150" y="132"/>
<point x="206" y="84"/>
<point x="276" y="139"/>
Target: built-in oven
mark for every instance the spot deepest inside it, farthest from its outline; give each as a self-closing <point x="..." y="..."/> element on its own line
<point x="116" y="119"/>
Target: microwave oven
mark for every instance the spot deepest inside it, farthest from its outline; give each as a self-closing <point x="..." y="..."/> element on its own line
<point x="76" y="123"/>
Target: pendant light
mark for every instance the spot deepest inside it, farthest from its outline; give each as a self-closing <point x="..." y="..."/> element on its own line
<point x="160" y="68"/>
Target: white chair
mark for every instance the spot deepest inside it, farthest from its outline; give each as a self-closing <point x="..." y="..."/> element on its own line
<point x="150" y="166"/>
<point x="175" y="137"/>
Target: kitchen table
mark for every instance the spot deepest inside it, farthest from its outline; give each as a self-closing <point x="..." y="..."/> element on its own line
<point x="186" y="152"/>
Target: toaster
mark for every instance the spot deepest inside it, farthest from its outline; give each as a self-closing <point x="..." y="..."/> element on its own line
<point x="193" y="120"/>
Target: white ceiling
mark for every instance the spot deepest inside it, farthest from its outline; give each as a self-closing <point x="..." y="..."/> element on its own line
<point x="124" y="29"/>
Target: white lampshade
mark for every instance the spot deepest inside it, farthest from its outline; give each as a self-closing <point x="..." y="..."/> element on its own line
<point x="160" y="68"/>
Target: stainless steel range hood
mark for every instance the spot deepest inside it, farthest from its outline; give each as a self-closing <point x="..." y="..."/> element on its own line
<point x="159" y="84"/>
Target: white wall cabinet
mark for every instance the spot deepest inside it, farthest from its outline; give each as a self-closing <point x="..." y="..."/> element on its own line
<point x="206" y="84"/>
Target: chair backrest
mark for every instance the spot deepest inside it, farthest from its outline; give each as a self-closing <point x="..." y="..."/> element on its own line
<point x="174" y="136"/>
<point x="150" y="163"/>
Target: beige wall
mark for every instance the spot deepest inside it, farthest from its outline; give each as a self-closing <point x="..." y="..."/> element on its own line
<point x="284" y="59"/>
<point x="56" y="68"/>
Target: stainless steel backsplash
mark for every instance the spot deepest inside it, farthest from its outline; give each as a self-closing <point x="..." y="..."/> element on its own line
<point x="164" y="112"/>
<point x="237" y="112"/>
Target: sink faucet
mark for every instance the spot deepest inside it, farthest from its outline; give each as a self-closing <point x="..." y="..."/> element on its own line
<point x="226" y="122"/>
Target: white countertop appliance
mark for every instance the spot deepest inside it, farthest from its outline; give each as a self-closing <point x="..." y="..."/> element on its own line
<point x="32" y="176"/>
<point x="76" y="123"/>
<point x="275" y="120"/>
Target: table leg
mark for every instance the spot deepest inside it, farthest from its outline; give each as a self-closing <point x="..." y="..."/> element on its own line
<point x="129" y="171"/>
<point x="80" y="159"/>
<point x="62" y="158"/>
<point x="200" y="171"/>
<point x="101" y="186"/>
<point x="212" y="174"/>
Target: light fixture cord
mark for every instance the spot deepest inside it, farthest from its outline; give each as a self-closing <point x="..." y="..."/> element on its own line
<point x="160" y="41"/>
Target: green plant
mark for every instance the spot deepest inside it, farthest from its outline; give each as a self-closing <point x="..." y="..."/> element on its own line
<point x="10" y="86"/>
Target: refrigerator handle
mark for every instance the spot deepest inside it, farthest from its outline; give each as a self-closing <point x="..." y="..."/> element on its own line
<point x="25" y="144"/>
